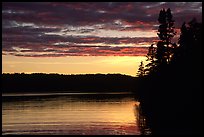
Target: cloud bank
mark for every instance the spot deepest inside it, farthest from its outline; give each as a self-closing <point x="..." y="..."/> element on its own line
<point x="49" y="29"/>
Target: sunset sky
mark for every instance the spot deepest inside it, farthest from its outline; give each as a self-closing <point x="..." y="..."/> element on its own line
<point x="79" y="38"/>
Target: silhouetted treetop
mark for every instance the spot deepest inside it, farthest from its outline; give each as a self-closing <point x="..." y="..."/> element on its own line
<point x="141" y="70"/>
<point x="166" y="51"/>
<point x="161" y="55"/>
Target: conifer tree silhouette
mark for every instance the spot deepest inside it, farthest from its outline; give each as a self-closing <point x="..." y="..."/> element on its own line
<point x="166" y="33"/>
<point x="161" y="55"/>
<point x="141" y="70"/>
<point x="151" y="56"/>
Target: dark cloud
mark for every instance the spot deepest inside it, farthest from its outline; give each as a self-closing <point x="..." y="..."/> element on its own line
<point x="93" y="13"/>
<point x="80" y="51"/>
<point x="48" y="28"/>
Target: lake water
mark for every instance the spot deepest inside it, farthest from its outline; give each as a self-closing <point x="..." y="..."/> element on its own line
<point x="70" y="114"/>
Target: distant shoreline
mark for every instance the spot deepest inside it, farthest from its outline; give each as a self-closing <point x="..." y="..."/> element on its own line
<point x="67" y="84"/>
<point x="61" y="93"/>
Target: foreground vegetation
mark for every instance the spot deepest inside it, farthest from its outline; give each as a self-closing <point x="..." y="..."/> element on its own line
<point x="170" y="86"/>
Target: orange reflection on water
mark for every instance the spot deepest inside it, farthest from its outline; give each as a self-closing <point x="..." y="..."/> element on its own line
<point x="70" y="115"/>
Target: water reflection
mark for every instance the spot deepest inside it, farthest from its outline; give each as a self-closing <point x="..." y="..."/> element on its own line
<point x="141" y="121"/>
<point x="71" y="114"/>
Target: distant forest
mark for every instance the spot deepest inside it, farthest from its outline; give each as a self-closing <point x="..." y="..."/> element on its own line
<point x="39" y="82"/>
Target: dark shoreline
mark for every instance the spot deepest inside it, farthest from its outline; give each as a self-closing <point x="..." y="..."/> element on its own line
<point x="65" y="93"/>
<point x="51" y="83"/>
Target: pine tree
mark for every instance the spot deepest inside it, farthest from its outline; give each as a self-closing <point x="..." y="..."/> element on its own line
<point x="166" y="32"/>
<point x="191" y="36"/>
<point x="151" y="56"/>
<point x="162" y="54"/>
<point x="141" y="70"/>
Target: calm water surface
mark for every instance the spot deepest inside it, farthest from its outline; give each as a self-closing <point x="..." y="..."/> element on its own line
<point x="70" y="114"/>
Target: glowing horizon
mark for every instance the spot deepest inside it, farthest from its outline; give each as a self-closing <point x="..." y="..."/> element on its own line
<point x="73" y="65"/>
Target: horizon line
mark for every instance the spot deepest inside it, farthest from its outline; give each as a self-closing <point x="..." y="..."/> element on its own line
<point x="68" y="74"/>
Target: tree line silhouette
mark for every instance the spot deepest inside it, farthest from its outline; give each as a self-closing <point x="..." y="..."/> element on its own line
<point x="170" y="85"/>
<point x="39" y="82"/>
